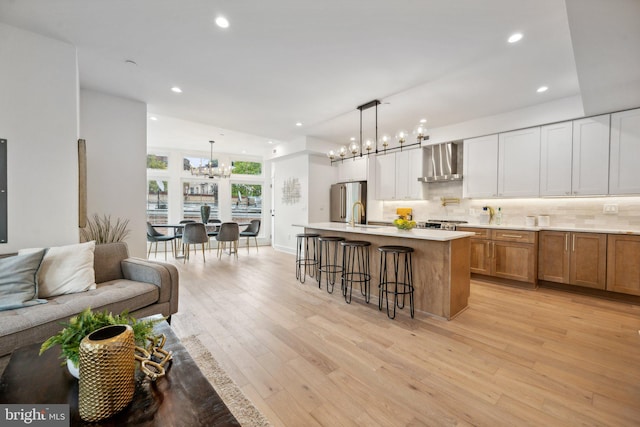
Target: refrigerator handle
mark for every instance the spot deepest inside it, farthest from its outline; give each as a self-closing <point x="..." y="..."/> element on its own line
<point x="343" y="197"/>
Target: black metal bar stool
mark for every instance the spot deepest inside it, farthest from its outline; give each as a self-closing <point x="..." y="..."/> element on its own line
<point x="328" y="248"/>
<point x="401" y="285"/>
<point x="355" y="268"/>
<point x="305" y="257"/>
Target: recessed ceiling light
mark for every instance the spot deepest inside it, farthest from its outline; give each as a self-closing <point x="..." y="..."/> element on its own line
<point x="154" y="118"/>
<point x="353" y="138"/>
<point x="299" y="124"/>
<point x="176" y="89"/>
<point x="270" y="142"/>
<point x="222" y="22"/>
<point x="244" y="151"/>
<point x="515" y="38"/>
<point x="423" y="120"/>
<point x="542" y="89"/>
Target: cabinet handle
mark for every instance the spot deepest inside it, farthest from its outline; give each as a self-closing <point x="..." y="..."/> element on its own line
<point x="517" y="236"/>
<point x="566" y="242"/>
<point x="488" y="249"/>
<point x="573" y="243"/>
<point x="493" y="252"/>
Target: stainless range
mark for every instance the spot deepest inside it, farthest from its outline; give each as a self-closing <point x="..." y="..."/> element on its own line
<point x="440" y="224"/>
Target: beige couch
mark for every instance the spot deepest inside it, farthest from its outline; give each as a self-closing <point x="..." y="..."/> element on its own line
<point x="139" y="286"/>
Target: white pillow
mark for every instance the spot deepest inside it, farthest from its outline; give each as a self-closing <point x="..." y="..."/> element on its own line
<point x="65" y="269"/>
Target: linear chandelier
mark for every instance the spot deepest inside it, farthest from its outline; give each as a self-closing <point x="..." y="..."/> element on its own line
<point x="371" y="146"/>
<point x="209" y="171"/>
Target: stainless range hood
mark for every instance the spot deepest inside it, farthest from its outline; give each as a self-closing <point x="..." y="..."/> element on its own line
<point x="443" y="163"/>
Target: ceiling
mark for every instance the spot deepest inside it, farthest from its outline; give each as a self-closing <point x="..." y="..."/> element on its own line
<point x="285" y="61"/>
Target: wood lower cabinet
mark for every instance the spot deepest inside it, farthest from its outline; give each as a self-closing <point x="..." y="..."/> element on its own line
<point x="573" y="258"/>
<point x="507" y="254"/>
<point x="623" y="264"/>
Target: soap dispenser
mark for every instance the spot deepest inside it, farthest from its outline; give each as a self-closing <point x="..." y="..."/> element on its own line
<point x="499" y="216"/>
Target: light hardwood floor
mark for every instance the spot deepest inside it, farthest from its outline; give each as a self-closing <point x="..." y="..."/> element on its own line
<point x="513" y="358"/>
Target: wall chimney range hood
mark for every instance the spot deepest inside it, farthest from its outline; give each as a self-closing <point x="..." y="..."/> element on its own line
<point x="442" y="165"/>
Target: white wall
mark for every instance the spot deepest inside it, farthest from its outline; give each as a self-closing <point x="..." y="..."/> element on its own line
<point x="286" y="214"/>
<point x="319" y="188"/>
<point x="116" y="133"/>
<point x="39" y="118"/>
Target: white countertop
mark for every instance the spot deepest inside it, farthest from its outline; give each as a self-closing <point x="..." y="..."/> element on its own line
<point x="381" y="230"/>
<point x="549" y="228"/>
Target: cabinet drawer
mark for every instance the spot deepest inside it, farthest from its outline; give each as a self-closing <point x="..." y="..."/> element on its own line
<point x="481" y="233"/>
<point x="514" y="236"/>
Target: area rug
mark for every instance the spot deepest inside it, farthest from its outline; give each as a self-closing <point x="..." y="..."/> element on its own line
<point x="241" y="407"/>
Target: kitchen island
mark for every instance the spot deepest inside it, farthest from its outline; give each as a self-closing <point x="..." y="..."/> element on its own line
<point x="440" y="262"/>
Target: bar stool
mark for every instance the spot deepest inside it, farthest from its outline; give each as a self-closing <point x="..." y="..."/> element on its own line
<point x="355" y="268"/>
<point x="328" y="248"/>
<point x="306" y="258"/>
<point x="401" y="285"/>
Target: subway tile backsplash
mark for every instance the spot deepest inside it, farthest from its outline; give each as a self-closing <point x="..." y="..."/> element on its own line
<point x="584" y="212"/>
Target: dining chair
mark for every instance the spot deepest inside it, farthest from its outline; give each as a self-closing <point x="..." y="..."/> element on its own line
<point x="229" y="232"/>
<point x="252" y="231"/>
<point x="194" y="233"/>
<point x="154" y="236"/>
<point x="213" y="233"/>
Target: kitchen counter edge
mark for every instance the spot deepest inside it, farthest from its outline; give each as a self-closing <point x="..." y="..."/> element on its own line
<point x="416" y="233"/>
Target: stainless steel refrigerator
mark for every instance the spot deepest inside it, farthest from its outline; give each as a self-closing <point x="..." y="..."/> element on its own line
<point x="343" y="197"/>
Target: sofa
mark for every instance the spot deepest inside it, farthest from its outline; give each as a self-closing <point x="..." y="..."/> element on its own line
<point x="139" y="286"/>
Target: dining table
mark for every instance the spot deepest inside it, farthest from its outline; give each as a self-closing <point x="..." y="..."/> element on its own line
<point x="180" y="226"/>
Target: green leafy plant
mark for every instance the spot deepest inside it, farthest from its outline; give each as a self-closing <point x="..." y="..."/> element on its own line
<point x="86" y="322"/>
<point x="102" y="230"/>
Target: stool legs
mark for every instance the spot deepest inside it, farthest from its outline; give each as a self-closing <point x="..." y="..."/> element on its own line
<point x="328" y="263"/>
<point x="402" y="286"/>
<point x="304" y="259"/>
<point x="355" y="261"/>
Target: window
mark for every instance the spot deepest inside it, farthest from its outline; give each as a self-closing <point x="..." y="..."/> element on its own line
<point x="189" y="163"/>
<point x="246" y="202"/>
<point x="247" y="168"/>
<point x="157" y="162"/>
<point x="196" y="193"/>
<point x="157" y="201"/>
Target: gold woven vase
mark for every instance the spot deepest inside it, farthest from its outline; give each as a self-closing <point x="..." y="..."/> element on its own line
<point x="107" y="372"/>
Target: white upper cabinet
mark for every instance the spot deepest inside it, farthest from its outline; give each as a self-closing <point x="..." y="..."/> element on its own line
<point x="519" y="163"/>
<point x="397" y="175"/>
<point x="590" y="169"/>
<point x="408" y="169"/>
<point x="556" y="143"/>
<point x="386" y="177"/>
<point x="480" y="169"/>
<point x="353" y="169"/>
<point x="624" y="172"/>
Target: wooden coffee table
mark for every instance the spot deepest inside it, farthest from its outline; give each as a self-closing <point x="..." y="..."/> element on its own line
<point x="183" y="397"/>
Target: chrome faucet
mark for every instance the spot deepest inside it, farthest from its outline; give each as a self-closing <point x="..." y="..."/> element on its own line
<point x="353" y="212"/>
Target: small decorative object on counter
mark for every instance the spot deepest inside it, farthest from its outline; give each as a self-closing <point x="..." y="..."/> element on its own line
<point x="404" y="224"/>
<point x="499" y="216"/>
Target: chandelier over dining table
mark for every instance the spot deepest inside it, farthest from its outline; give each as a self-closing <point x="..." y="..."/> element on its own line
<point x="211" y="171"/>
<point x="379" y="145"/>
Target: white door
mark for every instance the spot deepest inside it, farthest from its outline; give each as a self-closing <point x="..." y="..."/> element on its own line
<point x="555" y="159"/>
<point x="624" y="171"/>
<point x="519" y="163"/>
<point x="590" y="169"/>
<point x="480" y="170"/>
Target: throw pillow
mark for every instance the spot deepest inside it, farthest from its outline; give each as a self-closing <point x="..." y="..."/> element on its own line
<point x="18" y="280"/>
<point x="66" y="270"/>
